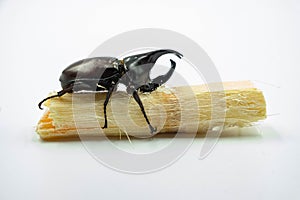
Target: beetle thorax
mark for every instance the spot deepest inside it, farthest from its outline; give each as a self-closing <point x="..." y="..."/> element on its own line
<point x="139" y="75"/>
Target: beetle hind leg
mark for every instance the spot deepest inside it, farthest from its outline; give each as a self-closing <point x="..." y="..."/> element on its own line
<point x="108" y="95"/>
<point x="59" y="94"/>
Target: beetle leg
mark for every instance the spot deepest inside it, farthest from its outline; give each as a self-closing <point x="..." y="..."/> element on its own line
<point x="108" y="95"/>
<point x="59" y="94"/>
<point x="138" y="100"/>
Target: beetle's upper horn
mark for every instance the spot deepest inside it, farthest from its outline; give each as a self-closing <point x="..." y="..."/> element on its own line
<point x="154" y="55"/>
<point x="148" y="58"/>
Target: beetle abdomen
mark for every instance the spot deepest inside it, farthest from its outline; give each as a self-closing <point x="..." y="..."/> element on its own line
<point x="86" y="73"/>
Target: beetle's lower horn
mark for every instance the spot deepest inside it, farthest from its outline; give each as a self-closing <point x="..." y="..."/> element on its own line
<point x="164" y="78"/>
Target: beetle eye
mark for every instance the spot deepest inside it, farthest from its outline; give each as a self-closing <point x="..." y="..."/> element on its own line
<point x="115" y="65"/>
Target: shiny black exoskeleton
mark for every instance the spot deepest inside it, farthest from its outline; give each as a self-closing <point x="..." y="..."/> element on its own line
<point x="105" y="73"/>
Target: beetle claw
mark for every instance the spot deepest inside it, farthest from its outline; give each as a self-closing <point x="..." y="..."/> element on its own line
<point x="40" y="106"/>
<point x="152" y="130"/>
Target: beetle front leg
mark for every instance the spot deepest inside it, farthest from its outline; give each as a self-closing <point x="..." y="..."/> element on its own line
<point x="138" y="100"/>
<point x="108" y="95"/>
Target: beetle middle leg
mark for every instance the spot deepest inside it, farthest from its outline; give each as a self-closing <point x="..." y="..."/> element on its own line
<point x="138" y="100"/>
<point x="108" y="95"/>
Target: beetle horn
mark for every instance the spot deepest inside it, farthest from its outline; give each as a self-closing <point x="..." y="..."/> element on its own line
<point x="148" y="58"/>
<point x="154" y="55"/>
<point x="164" y="78"/>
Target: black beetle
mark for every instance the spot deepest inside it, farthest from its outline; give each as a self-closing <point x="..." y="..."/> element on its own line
<point x="104" y="73"/>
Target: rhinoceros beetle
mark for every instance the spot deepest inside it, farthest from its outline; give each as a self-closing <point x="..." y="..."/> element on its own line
<point x="105" y="73"/>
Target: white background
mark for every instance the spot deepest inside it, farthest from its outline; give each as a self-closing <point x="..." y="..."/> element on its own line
<point x="247" y="40"/>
